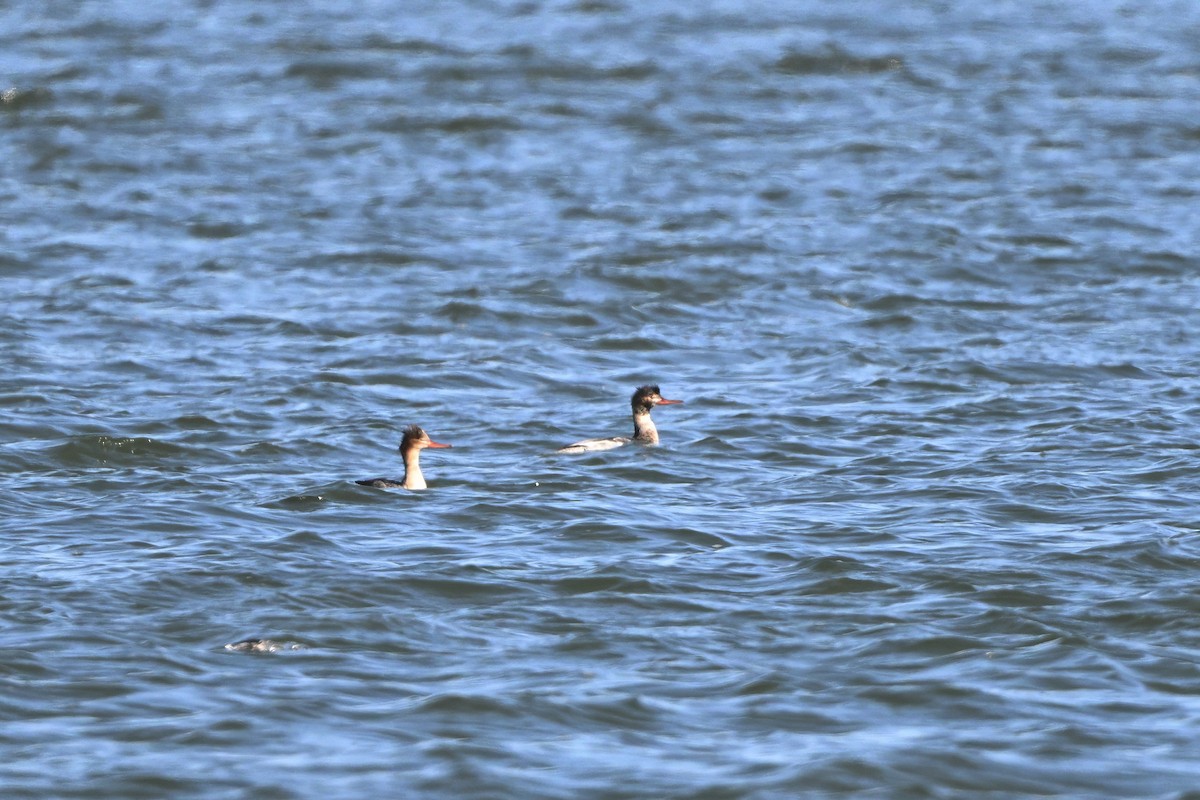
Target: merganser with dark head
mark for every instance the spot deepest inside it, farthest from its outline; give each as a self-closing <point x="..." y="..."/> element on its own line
<point x="415" y="440"/>
<point x="644" y="398"/>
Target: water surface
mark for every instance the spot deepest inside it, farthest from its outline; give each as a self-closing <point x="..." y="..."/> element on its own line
<point x="924" y="274"/>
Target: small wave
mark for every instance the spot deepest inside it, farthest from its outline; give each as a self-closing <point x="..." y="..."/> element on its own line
<point x="15" y="99"/>
<point x="834" y="60"/>
<point x="263" y="646"/>
<point x="323" y="73"/>
<point x="116" y="450"/>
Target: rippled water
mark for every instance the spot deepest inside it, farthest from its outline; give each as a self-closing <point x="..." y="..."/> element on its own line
<point x="924" y="274"/>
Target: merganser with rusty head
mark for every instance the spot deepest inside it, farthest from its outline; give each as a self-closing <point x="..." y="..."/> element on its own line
<point x="414" y="441"/>
<point x="644" y="398"/>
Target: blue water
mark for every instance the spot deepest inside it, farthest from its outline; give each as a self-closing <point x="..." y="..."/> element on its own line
<point x="924" y="275"/>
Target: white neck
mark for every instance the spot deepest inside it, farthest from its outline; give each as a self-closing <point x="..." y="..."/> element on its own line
<point x="643" y="427"/>
<point x="413" y="479"/>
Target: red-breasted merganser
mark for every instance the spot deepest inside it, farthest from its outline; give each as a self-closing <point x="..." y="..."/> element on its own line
<point x="415" y="440"/>
<point x="644" y="399"/>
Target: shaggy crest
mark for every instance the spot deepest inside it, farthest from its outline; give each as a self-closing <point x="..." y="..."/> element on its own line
<point x="414" y="433"/>
<point x="645" y="391"/>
